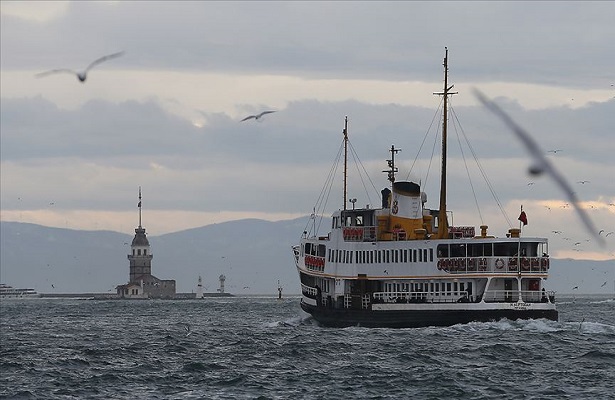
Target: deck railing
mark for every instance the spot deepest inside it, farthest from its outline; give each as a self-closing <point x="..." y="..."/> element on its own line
<point x="421" y="297"/>
<point x="464" y="265"/>
<point x="309" y="290"/>
<point x="360" y="233"/>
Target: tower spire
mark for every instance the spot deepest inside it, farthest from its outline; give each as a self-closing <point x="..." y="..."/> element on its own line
<point x="139" y="205"/>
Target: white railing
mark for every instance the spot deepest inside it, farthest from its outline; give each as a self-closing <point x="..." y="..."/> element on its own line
<point x="359" y="233"/>
<point x="465" y="265"/>
<point x="309" y="290"/>
<point x="420" y="297"/>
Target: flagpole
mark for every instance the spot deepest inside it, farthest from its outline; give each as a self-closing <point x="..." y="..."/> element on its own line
<point x="519" y="249"/>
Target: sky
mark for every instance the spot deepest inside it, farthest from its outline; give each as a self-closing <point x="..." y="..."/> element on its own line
<point x="166" y="116"/>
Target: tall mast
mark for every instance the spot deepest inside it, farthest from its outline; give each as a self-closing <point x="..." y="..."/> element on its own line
<point x="442" y="220"/>
<point x="391" y="163"/>
<point x="345" y="159"/>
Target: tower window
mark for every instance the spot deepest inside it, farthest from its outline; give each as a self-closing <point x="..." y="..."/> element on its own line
<point x="139" y="252"/>
<point x="144" y="252"/>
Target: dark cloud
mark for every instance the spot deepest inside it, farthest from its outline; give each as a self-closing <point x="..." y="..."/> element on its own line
<point x="565" y="44"/>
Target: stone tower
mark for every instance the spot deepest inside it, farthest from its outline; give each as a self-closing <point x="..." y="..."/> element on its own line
<point x="141" y="257"/>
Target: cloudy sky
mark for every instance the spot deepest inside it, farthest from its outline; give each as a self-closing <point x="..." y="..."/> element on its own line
<point x="166" y="115"/>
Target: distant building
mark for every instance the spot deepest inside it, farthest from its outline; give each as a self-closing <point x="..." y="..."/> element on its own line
<point x="142" y="284"/>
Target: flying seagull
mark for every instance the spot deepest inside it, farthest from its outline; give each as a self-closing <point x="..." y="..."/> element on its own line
<point x="81" y="75"/>
<point x="541" y="164"/>
<point x="257" y="116"/>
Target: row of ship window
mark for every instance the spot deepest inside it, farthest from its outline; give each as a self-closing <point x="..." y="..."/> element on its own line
<point x="380" y="256"/>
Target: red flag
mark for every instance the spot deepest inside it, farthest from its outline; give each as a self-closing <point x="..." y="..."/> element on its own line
<point x="523" y="218"/>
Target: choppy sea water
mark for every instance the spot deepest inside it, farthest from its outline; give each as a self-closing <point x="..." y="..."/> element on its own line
<point x="264" y="348"/>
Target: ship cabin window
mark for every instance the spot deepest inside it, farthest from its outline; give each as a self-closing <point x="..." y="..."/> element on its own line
<point x="316" y="250"/>
<point x="458" y="250"/>
<point x="414" y="255"/>
<point x="357" y="218"/>
<point x="512" y="249"/>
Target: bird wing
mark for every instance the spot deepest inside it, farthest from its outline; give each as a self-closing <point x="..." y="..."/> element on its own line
<point x="541" y="160"/>
<point x="248" y="117"/>
<point x="55" y="71"/>
<point x="264" y="112"/>
<point x="103" y="59"/>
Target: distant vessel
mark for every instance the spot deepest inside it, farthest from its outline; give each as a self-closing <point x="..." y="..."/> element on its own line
<point x="402" y="265"/>
<point x="9" y="292"/>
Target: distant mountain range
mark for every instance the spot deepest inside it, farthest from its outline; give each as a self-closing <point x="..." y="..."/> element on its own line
<point x="252" y="254"/>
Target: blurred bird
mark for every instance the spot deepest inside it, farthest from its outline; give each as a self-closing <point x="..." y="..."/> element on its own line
<point x="541" y="164"/>
<point x="583" y="182"/>
<point x="257" y="116"/>
<point x="81" y="75"/>
<point x="603" y="285"/>
<point x="553" y="151"/>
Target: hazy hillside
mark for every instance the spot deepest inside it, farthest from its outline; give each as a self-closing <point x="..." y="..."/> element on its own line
<point x="252" y="254"/>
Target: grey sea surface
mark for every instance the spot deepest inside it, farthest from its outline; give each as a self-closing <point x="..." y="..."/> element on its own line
<point x="265" y="348"/>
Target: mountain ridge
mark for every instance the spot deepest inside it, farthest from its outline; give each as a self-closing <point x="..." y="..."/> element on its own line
<point x="253" y="254"/>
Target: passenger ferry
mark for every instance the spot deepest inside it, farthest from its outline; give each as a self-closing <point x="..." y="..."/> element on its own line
<point x="402" y="265"/>
<point x="9" y="292"/>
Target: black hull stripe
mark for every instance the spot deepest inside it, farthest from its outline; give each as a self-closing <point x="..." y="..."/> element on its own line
<point x="339" y="318"/>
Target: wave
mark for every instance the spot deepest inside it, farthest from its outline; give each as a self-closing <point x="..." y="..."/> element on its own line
<point x="593" y="327"/>
<point x="304" y="319"/>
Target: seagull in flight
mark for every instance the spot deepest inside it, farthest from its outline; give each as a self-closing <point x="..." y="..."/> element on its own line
<point x="583" y="182"/>
<point x="257" y="116"/>
<point x="83" y="74"/>
<point x="541" y="164"/>
<point x="553" y="151"/>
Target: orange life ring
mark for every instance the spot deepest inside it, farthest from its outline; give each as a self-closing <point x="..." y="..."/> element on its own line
<point x="499" y="263"/>
<point x="439" y="264"/>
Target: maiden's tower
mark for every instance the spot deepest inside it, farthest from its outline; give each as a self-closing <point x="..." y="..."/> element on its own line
<point x="142" y="284"/>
